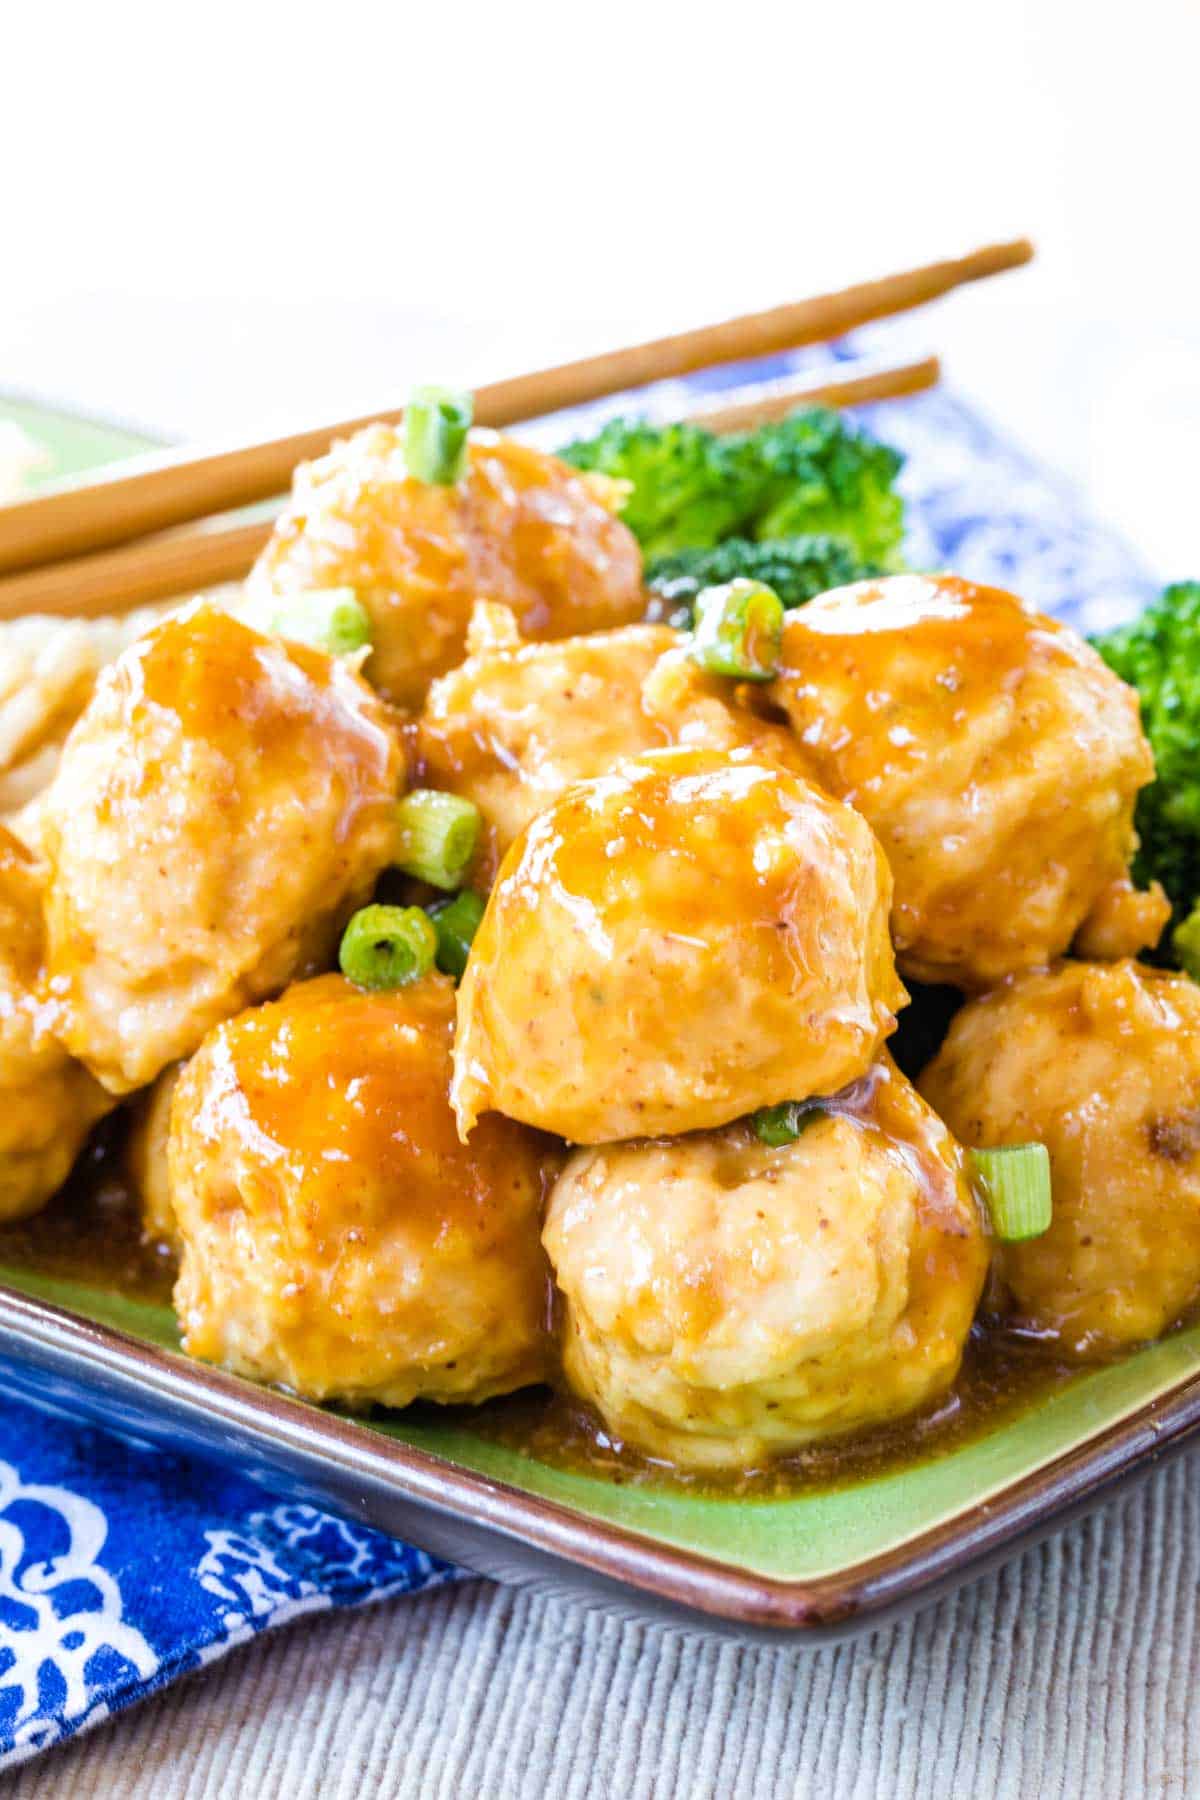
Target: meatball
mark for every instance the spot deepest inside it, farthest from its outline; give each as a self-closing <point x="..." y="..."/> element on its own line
<point x="337" y="1237"/>
<point x="48" y="1103"/>
<point x="223" y="804"/>
<point x="517" y="723"/>
<point x="1101" y="1063"/>
<point x="146" y="1158"/>
<point x="995" y="755"/>
<point x="520" y="527"/>
<point x="725" y="1302"/>
<point x="672" y="945"/>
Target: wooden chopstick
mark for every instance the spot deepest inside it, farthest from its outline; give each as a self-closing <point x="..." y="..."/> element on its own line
<point x="153" y="492"/>
<point x="153" y="568"/>
<point x="751" y="406"/>
<point x="184" y="561"/>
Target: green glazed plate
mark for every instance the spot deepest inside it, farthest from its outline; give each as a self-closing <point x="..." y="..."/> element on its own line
<point x="821" y="1562"/>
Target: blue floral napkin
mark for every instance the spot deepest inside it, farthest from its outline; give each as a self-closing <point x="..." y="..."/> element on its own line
<point x="122" y="1568"/>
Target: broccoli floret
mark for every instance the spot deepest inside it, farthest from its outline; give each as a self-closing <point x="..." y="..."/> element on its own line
<point x="1185" y="944"/>
<point x="1159" y="655"/>
<point x="797" y="568"/>
<point x="689" y="487"/>
<point x="810" y="473"/>
<point x="826" y="477"/>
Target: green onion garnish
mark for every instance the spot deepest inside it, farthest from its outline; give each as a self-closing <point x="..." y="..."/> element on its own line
<point x="776" y="1126"/>
<point x="330" y="619"/>
<point x="436" y="423"/>
<point x="387" y="946"/>
<point x="1015" y="1179"/>
<point x="436" y="836"/>
<point x="738" y="630"/>
<point x="456" y="922"/>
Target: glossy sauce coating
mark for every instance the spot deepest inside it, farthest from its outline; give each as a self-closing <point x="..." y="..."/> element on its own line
<point x="1101" y="1063"/>
<point x="519" y="527"/>
<point x="337" y="1237"/>
<point x="223" y="804"/>
<point x="726" y="1302"/>
<point x="48" y="1103"/>
<point x="996" y="757"/>
<point x="671" y="946"/>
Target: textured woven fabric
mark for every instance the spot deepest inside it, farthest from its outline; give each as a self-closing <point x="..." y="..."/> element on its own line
<point x="121" y="1570"/>
<point x="1072" y="1672"/>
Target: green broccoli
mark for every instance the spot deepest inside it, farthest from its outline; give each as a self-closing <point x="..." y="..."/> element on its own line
<point x="1185" y="944"/>
<point x="1159" y="655"/>
<point x="689" y="487"/>
<point x="809" y="473"/>
<point x="825" y="477"/>
<point x="798" y="568"/>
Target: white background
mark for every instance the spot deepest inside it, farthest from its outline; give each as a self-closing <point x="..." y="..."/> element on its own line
<point x="228" y="216"/>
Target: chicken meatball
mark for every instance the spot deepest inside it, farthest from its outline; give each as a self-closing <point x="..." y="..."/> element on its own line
<point x="995" y="755"/>
<point x="518" y="723"/>
<point x="672" y="945"/>
<point x="1101" y="1063"/>
<point x="223" y="804"/>
<point x="726" y="1302"/>
<point x="48" y="1102"/>
<point x="519" y="527"/>
<point x="337" y="1237"/>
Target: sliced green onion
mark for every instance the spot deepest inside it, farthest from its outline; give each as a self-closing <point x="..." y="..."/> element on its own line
<point x="776" y="1126"/>
<point x="456" y="922"/>
<point x="387" y="946"/>
<point x="330" y="619"/>
<point x="436" y="423"/>
<point x="738" y="630"/>
<point x="1015" y="1179"/>
<point x="436" y="836"/>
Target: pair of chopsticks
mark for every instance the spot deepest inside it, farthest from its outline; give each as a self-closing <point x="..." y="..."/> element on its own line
<point x="180" y="562"/>
<point x="59" y="548"/>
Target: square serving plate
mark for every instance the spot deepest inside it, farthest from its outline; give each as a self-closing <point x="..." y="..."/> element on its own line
<point x="821" y="1564"/>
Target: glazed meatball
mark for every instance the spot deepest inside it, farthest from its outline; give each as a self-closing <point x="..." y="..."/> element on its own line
<point x="337" y="1237"/>
<point x="146" y="1158"/>
<point x="725" y="1302"/>
<point x="995" y="755"/>
<point x="670" y="946"/>
<point x="518" y="723"/>
<point x="1101" y="1063"/>
<point x="519" y="527"/>
<point x="48" y="1103"/>
<point x="223" y="804"/>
